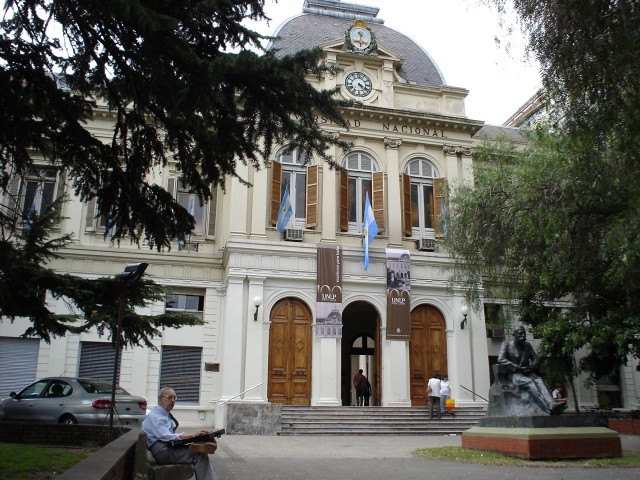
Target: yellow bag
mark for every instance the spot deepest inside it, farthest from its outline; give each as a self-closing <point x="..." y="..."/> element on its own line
<point x="449" y="404"/>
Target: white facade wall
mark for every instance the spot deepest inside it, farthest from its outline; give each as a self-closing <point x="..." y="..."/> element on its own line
<point x="247" y="258"/>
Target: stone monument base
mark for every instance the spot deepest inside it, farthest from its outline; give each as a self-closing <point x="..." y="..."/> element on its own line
<point x="543" y="438"/>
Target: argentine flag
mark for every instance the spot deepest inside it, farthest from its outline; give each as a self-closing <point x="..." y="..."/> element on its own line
<point x="32" y="213"/>
<point x="285" y="212"/>
<point x="370" y="229"/>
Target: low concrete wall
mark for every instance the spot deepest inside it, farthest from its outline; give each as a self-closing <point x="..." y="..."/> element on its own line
<point x="112" y="462"/>
<point x="254" y="418"/>
<point x="57" y="434"/>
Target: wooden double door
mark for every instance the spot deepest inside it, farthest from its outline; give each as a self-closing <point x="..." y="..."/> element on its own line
<point x="290" y="353"/>
<point x="427" y="350"/>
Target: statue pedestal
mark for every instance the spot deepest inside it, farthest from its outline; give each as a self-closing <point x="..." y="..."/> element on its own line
<point x="544" y="438"/>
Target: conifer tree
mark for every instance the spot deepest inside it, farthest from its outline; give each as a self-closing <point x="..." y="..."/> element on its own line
<point x="164" y="68"/>
<point x="185" y="81"/>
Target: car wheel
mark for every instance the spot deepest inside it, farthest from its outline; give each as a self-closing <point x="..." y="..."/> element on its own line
<point x="68" y="420"/>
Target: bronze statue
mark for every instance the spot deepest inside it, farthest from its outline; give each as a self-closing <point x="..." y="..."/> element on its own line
<point x="516" y="376"/>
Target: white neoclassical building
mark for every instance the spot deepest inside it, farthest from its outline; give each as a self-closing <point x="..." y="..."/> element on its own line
<point x="411" y="141"/>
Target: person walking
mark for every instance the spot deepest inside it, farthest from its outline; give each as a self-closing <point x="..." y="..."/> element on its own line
<point x="445" y="393"/>
<point x="360" y="384"/>
<point x="160" y="428"/>
<point x="367" y="392"/>
<point x="433" y="390"/>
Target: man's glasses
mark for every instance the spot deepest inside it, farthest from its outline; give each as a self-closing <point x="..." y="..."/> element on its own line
<point x="170" y="397"/>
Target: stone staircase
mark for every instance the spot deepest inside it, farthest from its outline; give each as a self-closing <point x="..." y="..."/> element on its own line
<point x="298" y="420"/>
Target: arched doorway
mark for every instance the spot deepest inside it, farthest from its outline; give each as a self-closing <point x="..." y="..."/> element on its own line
<point x="360" y="349"/>
<point x="290" y="353"/>
<point x="427" y="350"/>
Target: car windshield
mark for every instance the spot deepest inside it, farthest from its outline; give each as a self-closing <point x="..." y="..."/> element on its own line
<point x="99" y="386"/>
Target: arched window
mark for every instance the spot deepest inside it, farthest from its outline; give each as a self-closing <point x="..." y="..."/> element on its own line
<point x="423" y="198"/>
<point x="291" y="169"/>
<point x="360" y="178"/>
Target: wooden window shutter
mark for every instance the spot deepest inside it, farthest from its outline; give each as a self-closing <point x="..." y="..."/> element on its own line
<point x="440" y="204"/>
<point x="213" y="204"/>
<point x="171" y="186"/>
<point x="276" y="182"/>
<point x="344" y="200"/>
<point x="61" y="179"/>
<point x="407" y="224"/>
<point x="313" y="172"/>
<point x="14" y="193"/>
<point x="377" y="201"/>
<point x="91" y="215"/>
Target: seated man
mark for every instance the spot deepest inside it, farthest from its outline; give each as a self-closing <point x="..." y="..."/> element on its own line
<point x="160" y="429"/>
<point x="519" y="358"/>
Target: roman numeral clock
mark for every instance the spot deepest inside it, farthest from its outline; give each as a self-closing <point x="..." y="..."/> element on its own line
<point x="358" y="84"/>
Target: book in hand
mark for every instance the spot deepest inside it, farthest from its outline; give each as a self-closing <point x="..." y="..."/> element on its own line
<point x="205" y="437"/>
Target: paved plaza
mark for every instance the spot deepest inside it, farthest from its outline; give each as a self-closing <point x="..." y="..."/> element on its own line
<point x="246" y="457"/>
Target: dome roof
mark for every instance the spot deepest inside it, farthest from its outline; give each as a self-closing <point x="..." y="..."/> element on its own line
<point x="309" y="30"/>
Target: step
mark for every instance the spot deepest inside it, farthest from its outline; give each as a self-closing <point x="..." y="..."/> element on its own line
<point x="305" y="420"/>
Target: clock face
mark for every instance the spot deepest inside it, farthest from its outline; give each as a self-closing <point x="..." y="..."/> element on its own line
<point x="361" y="38"/>
<point x="358" y="84"/>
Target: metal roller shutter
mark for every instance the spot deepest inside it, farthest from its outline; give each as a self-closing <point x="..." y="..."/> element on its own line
<point x="96" y="361"/>
<point x="18" y="363"/>
<point x="180" y="370"/>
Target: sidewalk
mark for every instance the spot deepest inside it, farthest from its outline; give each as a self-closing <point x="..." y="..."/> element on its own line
<point x="317" y="457"/>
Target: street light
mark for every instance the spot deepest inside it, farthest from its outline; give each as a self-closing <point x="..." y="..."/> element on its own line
<point x="132" y="272"/>
<point x="257" y="301"/>
<point x="464" y="310"/>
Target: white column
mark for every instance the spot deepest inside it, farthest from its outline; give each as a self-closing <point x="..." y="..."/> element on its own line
<point x="395" y="372"/>
<point x="255" y="355"/>
<point x="327" y="370"/>
<point x="232" y="340"/>
<point x="329" y="201"/>
<point x="238" y="194"/>
<point x="259" y="203"/>
<point x="451" y="161"/>
<point x="394" y="195"/>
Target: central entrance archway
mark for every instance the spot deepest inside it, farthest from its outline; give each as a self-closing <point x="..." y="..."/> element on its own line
<point x="360" y="349"/>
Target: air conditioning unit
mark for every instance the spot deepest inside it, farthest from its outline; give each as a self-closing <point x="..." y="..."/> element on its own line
<point x="187" y="247"/>
<point x="427" y="244"/>
<point x="497" y="333"/>
<point x="293" y="234"/>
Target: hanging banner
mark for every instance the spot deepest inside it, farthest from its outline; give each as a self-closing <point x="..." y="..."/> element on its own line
<point x="398" y="287"/>
<point x="329" y="297"/>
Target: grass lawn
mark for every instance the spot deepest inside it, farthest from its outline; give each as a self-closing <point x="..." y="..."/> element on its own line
<point x="459" y="454"/>
<point x="30" y="462"/>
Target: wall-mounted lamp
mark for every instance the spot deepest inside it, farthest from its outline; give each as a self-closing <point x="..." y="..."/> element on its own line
<point x="464" y="310"/>
<point x="257" y="301"/>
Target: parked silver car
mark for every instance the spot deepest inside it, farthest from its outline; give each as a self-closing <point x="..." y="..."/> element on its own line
<point x="72" y="400"/>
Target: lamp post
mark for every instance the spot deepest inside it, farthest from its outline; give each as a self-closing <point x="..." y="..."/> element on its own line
<point x="257" y="301"/>
<point x="132" y="272"/>
<point x="464" y="310"/>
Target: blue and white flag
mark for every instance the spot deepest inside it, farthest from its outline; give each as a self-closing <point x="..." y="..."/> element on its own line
<point x="285" y="212"/>
<point x="32" y="212"/>
<point x="370" y="229"/>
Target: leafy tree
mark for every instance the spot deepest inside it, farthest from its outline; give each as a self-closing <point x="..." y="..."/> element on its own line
<point x="184" y="84"/>
<point x="557" y="225"/>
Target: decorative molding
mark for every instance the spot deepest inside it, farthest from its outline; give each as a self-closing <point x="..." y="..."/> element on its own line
<point x="393" y="143"/>
<point x="457" y="150"/>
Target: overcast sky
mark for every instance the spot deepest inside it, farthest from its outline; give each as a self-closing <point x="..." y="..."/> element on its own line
<point x="459" y="35"/>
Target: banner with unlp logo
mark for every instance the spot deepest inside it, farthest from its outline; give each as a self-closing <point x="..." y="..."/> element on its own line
<point x="398" y="288"/>
<point x="329" y="296"/>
